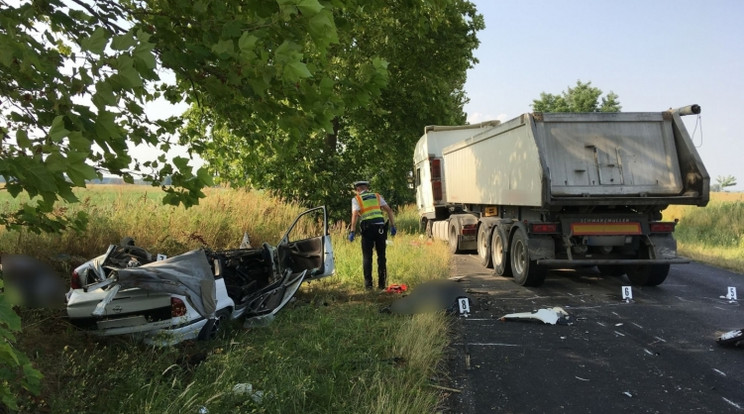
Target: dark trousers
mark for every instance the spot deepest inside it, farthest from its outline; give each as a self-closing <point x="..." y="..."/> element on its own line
<point x="374" y="236"/>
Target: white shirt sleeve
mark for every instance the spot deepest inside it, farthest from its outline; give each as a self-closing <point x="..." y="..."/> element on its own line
<point x="382" y="201"/>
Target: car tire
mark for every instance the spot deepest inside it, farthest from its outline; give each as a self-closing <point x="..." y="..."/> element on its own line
<point x="213" y="326"/>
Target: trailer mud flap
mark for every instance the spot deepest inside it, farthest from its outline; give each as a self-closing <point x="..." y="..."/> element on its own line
<point x="541" y="248"/>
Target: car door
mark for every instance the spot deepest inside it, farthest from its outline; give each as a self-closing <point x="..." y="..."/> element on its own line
<point x="306" y="246"/>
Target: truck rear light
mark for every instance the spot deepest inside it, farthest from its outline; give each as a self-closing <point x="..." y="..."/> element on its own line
<point x="436" y="189"/>
<point x="469" y="229"/>
<point x="75" y="281"/>
<point x="662" y="227"/>
<point x="544" y="228"/>
<point x="178" y="308"/>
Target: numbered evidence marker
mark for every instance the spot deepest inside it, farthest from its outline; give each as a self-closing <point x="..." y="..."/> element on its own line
<point x="627" y="293"/>
<point x="731" y="295"/>
<point x="464" y="304"/>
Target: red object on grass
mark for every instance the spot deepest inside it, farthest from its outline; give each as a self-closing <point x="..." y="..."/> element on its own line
<point x="396" y="288"/>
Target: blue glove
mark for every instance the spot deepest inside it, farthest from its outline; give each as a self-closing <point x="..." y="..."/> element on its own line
<point x="393" y="231"/>
<point x="351" y="236"/>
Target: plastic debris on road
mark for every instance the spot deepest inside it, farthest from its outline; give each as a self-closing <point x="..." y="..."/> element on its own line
<point x="732" y="338"/>
<point x="552" y="316"/>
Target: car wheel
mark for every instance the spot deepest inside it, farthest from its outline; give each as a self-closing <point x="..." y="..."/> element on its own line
<point x="210" y="330"/>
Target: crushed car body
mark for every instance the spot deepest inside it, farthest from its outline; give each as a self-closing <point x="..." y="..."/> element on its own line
<point x="127" y="290"/>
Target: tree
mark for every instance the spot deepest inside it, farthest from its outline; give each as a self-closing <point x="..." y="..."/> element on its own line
<point x="75" y="76"/>
<point x="724" y="181"/>
<point x="396" y="68"/>
<point x="581" y="98"/>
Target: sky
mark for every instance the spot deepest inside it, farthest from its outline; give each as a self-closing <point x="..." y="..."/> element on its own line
<point x="654" y="54"/>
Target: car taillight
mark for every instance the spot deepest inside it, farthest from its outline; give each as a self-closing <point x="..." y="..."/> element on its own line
<point x="75" y="281"/>
<point x="662" y="227"/>
<point x="469" y="229"/>
<point x="178" y="308"/>
<point x="544" y="228"/>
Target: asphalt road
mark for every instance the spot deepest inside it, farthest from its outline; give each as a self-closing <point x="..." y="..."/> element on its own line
<point x="655" y="354"/>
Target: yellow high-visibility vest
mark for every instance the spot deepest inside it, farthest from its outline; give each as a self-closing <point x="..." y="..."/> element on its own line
<point x="369" y="206"/>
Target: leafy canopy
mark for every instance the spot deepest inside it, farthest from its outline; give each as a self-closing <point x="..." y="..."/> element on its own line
<point x="75" y="77"/>
<point x="581" y="98"/>
<point x="396" y="67"/>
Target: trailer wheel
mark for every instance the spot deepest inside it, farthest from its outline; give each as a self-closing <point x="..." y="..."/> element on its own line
<point x="453" y="240"/>
<point x="611" y="270"/>
<point x="526" y="272"/>
<point x="484" y="248"/>
<point x="647" y="275"/>
<point x="500" y="257"/>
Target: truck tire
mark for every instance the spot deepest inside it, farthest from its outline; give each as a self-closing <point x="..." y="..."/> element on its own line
<point x="611" y="270"/>
<point x="484" y="245"/>
<point x="526" y="271"/>
<point x="499" y="257"/>
<point x="647" y="275"/>
<point x="453" y="240"/>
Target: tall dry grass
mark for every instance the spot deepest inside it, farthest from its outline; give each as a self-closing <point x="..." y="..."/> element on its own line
<point x="712" y="234"/>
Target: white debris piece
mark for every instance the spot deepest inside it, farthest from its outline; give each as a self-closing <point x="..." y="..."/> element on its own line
<point x="550" y="316"/>
<point x="247" y="389"/>
<point x="246" y="242"/>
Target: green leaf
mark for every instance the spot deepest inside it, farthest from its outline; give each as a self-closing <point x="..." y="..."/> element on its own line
<point x="232" y="29"/>
<point x="8" y="317"/>
<point x="104" y="95"/>
<point x="22" y="139"/>
<point x="309" y="7"/>
<point x="224" y="47"/>
<point x="145" y="55"/>
<point x="323" y="29"/>
<point x="7" y="52"/>
<point x="96" y="43"/>
<point x="79" y="172"/>
<point x="106" y="127"/>
<point x="79" y="142"/>
<point x="32" y="378"/>
<point x="296" y="71"/>
<point x="56" y="163"/>
<point x="58" y="131"/>
<point x="129" y="76"/>
<point x="247" y="42"/>
<point x="123" y="42"/>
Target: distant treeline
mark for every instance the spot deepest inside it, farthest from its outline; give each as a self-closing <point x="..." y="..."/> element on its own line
<point x="113" y="180"/>
<point x="119" y="180"/>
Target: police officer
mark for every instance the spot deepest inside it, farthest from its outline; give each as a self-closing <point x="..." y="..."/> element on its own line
<point x="367" y="208"/>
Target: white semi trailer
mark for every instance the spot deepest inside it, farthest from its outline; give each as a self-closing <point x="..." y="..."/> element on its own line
<point x="561" y="190"/>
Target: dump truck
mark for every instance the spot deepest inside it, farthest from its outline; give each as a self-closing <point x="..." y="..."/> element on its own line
<point x="561" y="190"/>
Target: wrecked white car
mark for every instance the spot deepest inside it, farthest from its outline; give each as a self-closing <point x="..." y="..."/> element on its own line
<point x="164" y="301"/>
